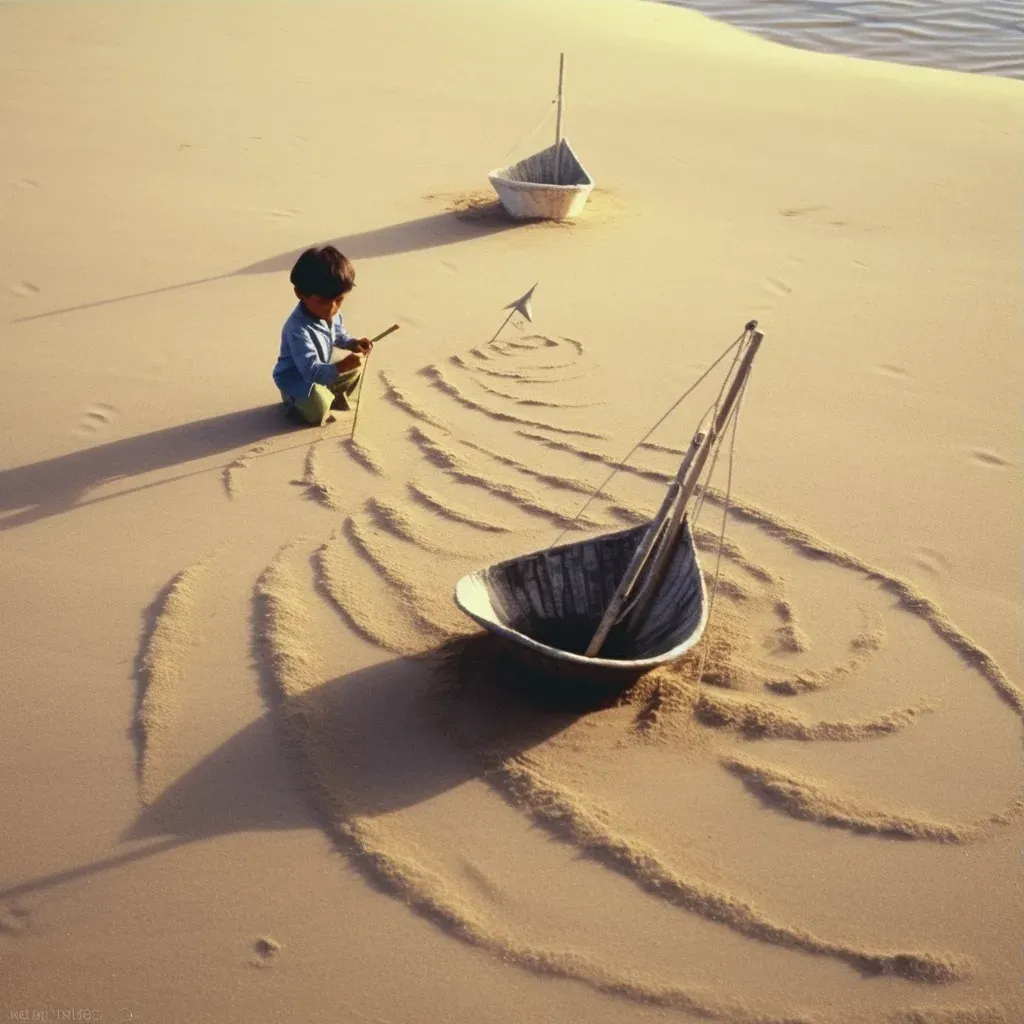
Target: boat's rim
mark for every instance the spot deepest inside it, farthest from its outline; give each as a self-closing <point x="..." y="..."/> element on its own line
<point x="557" y="654"/>
<point x="497" y="176"/>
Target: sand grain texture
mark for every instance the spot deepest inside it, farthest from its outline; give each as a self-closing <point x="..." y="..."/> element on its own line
<point x="814" y="816"/>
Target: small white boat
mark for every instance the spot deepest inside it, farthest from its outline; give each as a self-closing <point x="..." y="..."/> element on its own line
<point x="551" y="184"/>
<point x="601" y="612"/>
<point x="530" y="190"/>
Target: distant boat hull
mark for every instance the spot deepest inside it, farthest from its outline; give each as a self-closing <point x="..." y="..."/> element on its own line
<point x="546" y="606"/>
<point x="528" y="189"/>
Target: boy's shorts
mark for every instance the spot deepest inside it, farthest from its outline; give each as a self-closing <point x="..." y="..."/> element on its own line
<point x="316" y="409"/>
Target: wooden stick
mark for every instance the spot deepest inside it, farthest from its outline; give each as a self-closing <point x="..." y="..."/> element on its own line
<point x="663" y="556"/>
<point x="642" y="553"/>
<point x="558" y="120"/>
<point x="384" y="334"/>
<point x="362" y="376"/>
<point x="502" y="327"/>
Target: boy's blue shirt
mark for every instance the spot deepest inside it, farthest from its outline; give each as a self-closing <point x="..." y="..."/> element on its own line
<point x="306" y="347"/>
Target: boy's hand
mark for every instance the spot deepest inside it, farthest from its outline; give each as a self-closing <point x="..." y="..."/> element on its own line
<point x="351" y="362"/>
<point x="362" y="346"/>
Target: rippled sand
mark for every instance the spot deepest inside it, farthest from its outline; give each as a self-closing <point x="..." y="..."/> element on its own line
<point x="986" y="37"/>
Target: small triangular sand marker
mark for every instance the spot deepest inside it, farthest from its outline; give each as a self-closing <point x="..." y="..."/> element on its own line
<point x="523" y="305"/>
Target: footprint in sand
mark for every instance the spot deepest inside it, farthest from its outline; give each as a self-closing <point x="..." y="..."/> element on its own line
<point x="801" y="211"/>
<point x="776" y="286"/>
<point x="265" y="950"/>
<point x="987" y="458"/>
<point x="24" y="183"/>
<point x="97" y="417"/>
<point x="25" y="289"/>
<point x="930" y="560"/>
<point x="14" y="920"/>
<point x="890" y="370"/>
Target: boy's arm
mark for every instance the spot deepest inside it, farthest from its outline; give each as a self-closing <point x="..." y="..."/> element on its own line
<point x="342" y="339"/>
<point x="306" y="357"/>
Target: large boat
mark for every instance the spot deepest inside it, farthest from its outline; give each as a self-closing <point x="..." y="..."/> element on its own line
<point x="607" y="609"/>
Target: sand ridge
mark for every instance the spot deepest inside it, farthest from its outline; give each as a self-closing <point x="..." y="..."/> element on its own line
<point x="376" y="851"/>
<point x="378" y="571"/>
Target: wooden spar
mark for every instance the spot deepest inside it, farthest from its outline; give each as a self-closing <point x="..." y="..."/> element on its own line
<point x="359" y="393"/>
<point x="756" y="337"/>
<point x="642" y="553"/>
<point x="687" y="486"/>
<point x="670" y="537"/>
<point x="558" y="120"/>
<point x="633" y="570"/>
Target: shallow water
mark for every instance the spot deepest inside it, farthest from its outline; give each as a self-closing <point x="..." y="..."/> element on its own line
<point x="983" y="36"/>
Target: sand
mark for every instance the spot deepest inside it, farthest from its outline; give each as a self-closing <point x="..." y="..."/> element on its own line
<point x="257" y="764"/>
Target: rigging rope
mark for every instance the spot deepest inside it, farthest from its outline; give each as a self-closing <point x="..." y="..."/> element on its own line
<point x="675" y="405"/>
<point x="526" y="138"/>
<point x="706" y="646"/>
<point x="703" y="488"/>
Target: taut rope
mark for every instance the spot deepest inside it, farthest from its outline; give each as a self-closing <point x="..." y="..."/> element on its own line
<point x="675" y="405"/>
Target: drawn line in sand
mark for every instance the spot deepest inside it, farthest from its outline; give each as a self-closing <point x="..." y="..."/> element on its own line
<point x="436" y="376"/>
<point x="232" y="471"/>
<point x="402" y="399"/>
<point x="515" y="376"/>
<point x="533" y="402"/>
<point x="431" y="613"/>
<point x="863" y="644"/>
<point x="284" y="636"/>
<point x="910" y="597"/>
<point x="757" y="718"/>
<point x="808" y="800"/>
<point x="346" y="588"/>
<point x="284" y="632"/>
<point x="460" y="470"/>
<point x="562" y="813"/>
<point x="398" y="520"/>
<point x="318" y="488"/>
<point x="446" y="508"/>
<point x="364" y="455"/>
<point x="161" y="664"/>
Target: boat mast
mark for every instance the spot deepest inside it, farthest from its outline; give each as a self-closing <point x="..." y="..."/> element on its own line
<point x="558" y="120"/>
<point x="664" y="531"/>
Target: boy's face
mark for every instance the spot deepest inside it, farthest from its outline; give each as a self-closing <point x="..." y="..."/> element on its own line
<point x="318" y="306"/>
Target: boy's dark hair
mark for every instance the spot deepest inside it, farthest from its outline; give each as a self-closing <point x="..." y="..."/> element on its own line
<point x="323" y="271"/>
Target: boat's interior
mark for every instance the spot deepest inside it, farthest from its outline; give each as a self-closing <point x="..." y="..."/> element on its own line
<point x="539" y="169"/>
<point x="557" y="597"/>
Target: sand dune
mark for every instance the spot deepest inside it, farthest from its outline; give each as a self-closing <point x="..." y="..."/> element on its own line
<point x="814" y="816"/>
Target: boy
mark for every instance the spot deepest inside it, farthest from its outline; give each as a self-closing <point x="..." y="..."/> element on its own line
<point x="310" y="380"/>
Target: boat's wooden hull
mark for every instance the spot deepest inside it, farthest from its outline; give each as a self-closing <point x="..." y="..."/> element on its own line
<point x="547" y="605"/>
<point x="528" y="189"/>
